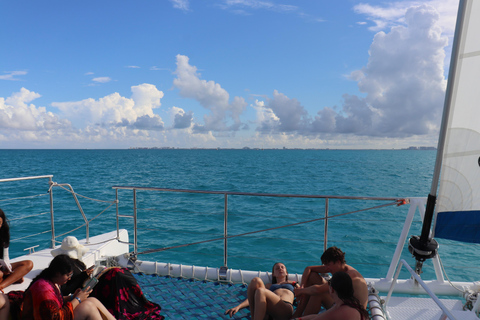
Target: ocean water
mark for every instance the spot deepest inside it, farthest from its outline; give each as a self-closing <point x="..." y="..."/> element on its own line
<point x="166" y="220"/>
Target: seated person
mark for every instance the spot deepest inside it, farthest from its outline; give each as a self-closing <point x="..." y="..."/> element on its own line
<point x="345" y="306"/>
<point x="274" y="299"/>
<point x="111" y="281"/>
<point x="313" y="292"/>
<point x="43" y="300"/>
<point x="14" y="272"/>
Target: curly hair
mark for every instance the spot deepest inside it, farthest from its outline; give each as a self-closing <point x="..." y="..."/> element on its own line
<point x="333" y="254"/>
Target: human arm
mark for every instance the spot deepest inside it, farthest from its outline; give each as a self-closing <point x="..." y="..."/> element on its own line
<point x="5" y="262"/>
<point x="234" y="310"/>
<point x="308" y="270"/>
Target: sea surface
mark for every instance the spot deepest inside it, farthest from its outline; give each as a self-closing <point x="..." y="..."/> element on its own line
<point x="169" y="220"/>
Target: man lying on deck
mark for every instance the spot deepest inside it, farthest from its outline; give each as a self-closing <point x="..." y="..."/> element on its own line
<point x="313" y="292"/>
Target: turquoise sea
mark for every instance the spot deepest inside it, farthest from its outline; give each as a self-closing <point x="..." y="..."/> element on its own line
<point x="164" y="220"/>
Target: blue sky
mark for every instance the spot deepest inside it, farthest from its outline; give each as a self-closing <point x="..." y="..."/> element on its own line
<point x="223" y="73"/>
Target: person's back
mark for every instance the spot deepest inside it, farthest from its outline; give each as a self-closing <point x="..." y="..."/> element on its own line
<point x="345" y="312"/>
<point x="359" y="285"/>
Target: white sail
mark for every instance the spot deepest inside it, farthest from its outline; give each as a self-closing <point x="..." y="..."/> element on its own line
<point x="458" y="202"/>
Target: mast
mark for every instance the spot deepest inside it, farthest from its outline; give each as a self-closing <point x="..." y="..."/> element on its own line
<point x="425" y="247"/>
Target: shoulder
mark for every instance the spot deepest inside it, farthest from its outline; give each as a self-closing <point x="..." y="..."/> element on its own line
<point x="347" y="312"/>
<point x="353" y="273"/>
<point x="41" y="285"/>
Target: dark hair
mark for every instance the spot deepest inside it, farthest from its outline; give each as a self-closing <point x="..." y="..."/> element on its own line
<point x="4" y="231"/>
<point x="333" y="254"/>
<point x="61" y="264"/>
<point x="274" y="279"/>
<point x="342" y="283"/>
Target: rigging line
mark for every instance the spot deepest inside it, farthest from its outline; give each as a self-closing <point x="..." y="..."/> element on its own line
<point x="445" y="273"/>
<point x="80" y="195"/>
<point x="33" y="215"/>
<point x="111" y="204"/>
<point x="269" y="229"/>
<point x="71" y="231"/>
<point x="31" y="235"/>
<point x="26" y="197"/>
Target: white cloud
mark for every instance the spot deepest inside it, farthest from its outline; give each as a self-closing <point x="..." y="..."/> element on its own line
<point x="115" y="110"/>
<point x="155" y="68"/>
<point x="181" y="119"/>
<point x="393" y="13"/>
<point x="403" y="84"/>
<point x="11" y="75"/>
<point x="133" y="67"/>
<point x="181" y="4"/>
<point x="18" y="115"/>
<point x="224" y="116"/>
<point x="102" y="79"/>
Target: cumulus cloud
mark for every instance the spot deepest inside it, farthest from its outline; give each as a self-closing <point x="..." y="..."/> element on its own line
<point x="181" y="119"/>
<point x="224" y="115"/>
<point x="403" y="84"/>
<point x="117" y="110"/>
<point x="16" y="113"/>
<point x="11" y="75"/>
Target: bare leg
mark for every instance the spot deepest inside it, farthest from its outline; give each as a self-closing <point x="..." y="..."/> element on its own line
<point x="268" y="303"/>
<point x="92" y="309"/>
<point x="312" y="303"/>
<point x="4" y="307"/>
<point x="20" y="269"/>
<point x="254" y="285"/>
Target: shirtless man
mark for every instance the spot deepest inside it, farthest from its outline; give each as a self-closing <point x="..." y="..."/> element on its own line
<point x="314" y="292"/>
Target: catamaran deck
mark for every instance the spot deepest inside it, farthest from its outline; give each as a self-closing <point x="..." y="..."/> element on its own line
<point x="182" y="298"/>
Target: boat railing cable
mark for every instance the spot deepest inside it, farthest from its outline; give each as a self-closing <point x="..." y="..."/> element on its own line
<point x="264" y="230"/>
<point x="51" y="184"/>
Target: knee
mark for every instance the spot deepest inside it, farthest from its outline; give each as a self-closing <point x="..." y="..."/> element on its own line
<point x="29" y="265"/>
<point x="85" y="307"/>
<point x="257" y="282"/>
<point x="4" y="303"/>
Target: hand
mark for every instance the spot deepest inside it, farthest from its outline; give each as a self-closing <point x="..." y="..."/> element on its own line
<point x="89" y="271"/>
<point x="82" y="294"/>
<point x="232" y="311"/>
<point x="299" y="291"/>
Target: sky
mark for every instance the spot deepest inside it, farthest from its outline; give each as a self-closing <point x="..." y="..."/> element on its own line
<point x="223" y="73"/>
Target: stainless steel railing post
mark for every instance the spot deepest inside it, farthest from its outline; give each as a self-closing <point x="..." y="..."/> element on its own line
<point x="116" y="204"/>
<point x="135" y="244"/>
<point x="52" y="222"/>
<point x="325" y="234"/>
<point x="225" y="231"/>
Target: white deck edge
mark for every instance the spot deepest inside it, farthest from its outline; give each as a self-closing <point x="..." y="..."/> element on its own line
<point x="100" y="247"/>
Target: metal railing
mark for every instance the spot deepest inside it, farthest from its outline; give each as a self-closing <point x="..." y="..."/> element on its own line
<point x="424" y="286"/>
<point x="226" y="194"/>
<point x="52" y="184"/>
